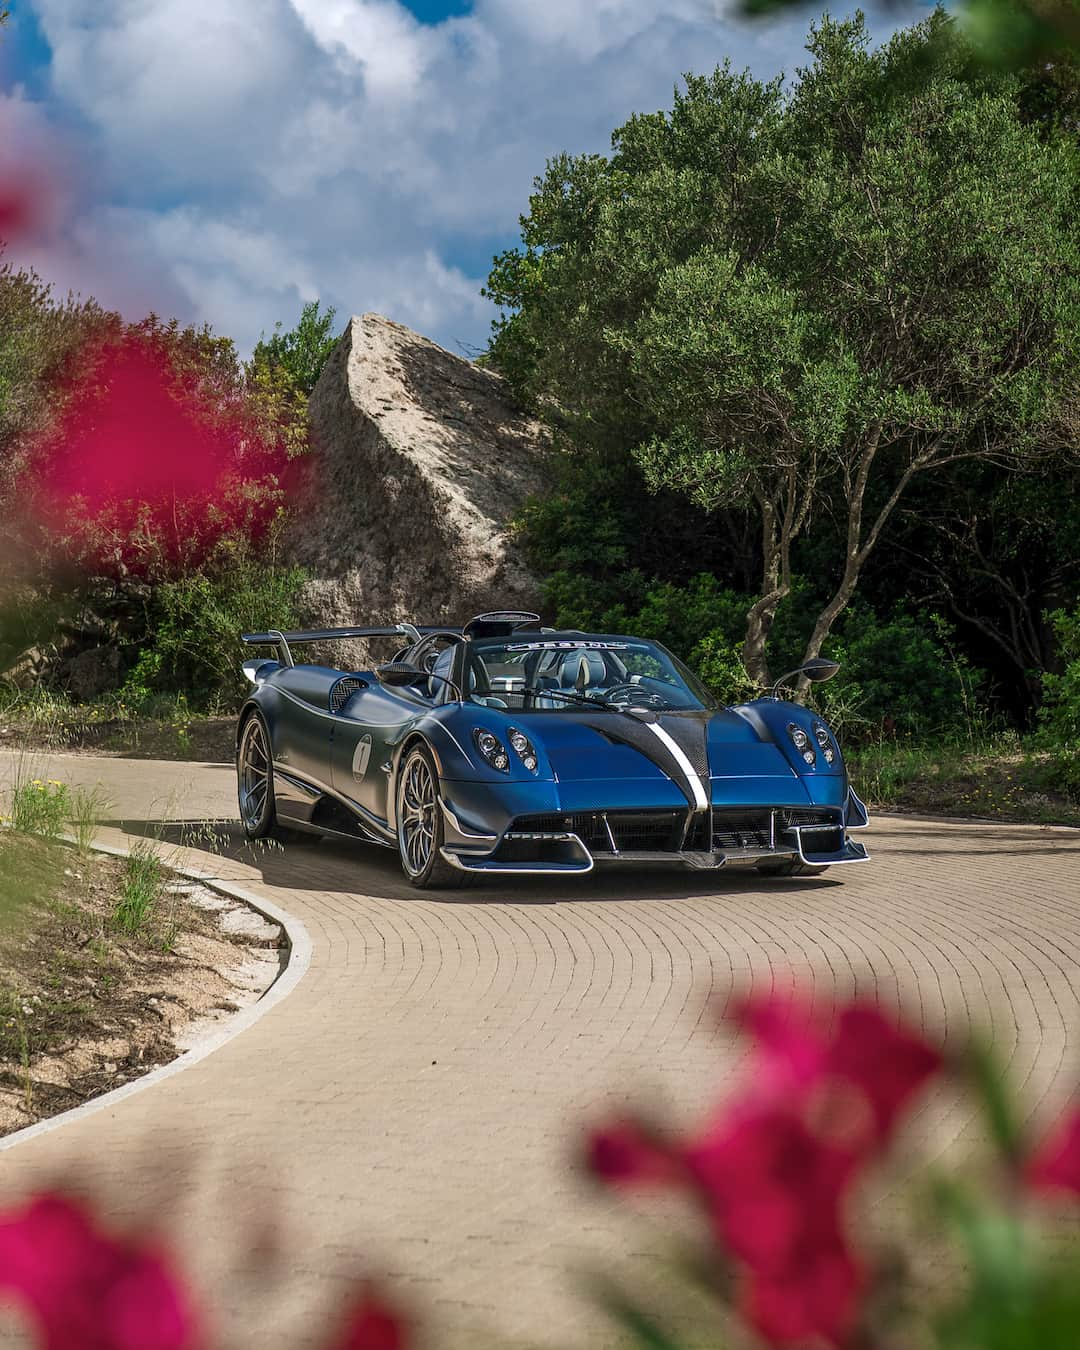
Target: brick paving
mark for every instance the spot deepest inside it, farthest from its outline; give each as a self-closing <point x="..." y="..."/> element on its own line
<point x="410" y="1109"/>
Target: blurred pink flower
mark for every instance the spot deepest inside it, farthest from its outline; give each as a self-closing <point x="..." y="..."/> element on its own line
<point x="887" y="1064"/>
<point x="373" y="1325"/>
<point x="1055" y="1164"/>
<point x="624" y="1152"/>
<point x="86" y="1290"/>
<point x="816" y="1298"/>
<point x="773" y="1187"/>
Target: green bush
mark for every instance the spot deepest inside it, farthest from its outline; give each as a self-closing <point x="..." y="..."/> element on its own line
<point x="899" y="674"/>
<point x="195" y="627"/>
<point x="1059" y="716"/>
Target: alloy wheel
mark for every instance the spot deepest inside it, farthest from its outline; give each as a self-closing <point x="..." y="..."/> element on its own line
<point x="416" y="820"/>
<point x="254" y="775"/>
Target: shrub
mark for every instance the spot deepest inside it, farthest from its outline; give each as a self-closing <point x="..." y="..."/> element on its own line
<point x="1059" y="715"/>
<point x="196" y="622"/>
<point x="40" y="807"/>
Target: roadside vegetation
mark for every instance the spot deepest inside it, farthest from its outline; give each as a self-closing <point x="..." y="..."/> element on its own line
<point x="104" y="961"/>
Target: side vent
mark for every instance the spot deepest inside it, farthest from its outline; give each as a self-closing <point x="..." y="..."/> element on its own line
<point x="343" y="690"/>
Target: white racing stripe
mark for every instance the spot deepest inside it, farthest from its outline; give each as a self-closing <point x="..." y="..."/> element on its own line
<point x="701" y="801"/>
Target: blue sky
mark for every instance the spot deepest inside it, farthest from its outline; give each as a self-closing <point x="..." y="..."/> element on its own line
<point x="228" y="160"/>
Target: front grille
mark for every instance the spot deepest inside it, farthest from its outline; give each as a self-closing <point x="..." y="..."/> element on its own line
<point x="740" y="829"/>
<point x="751" y="828"/>
<point x="662" y="831"/>
<point x="633" y="831"/>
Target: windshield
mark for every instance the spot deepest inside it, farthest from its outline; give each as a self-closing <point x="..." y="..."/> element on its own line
<point x="560" y="674"/>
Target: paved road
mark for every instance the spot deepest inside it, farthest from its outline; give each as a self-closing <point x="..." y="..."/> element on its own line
<point x="411" y="1106"/>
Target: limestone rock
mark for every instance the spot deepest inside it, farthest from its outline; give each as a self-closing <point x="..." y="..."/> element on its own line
<point x="419" y="460"/>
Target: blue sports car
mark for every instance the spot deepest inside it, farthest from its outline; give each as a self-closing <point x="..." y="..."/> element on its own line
<point x="505" y="747"/>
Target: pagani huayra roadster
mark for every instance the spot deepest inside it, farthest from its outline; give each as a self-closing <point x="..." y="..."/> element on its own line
<point x="503" y="747"/>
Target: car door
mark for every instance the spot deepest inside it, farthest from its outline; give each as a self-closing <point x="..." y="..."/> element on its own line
<point x="366" y="730"/>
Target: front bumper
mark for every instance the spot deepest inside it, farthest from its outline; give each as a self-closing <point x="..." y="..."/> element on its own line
<point x="558" y="842"/>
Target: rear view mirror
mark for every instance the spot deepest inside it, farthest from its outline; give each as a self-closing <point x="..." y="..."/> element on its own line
<point x="818" y="668"/>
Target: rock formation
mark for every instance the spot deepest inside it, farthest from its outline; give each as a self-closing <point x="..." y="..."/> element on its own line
<point x="419" y="460"/>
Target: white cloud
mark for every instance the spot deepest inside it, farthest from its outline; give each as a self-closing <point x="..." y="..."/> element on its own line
<point x="255" y="153"/>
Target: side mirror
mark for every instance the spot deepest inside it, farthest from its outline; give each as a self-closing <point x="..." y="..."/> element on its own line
<point x="398" y="674"/>
<point x="818" y="668"/>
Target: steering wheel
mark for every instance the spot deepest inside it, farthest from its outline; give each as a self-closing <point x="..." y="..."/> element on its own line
<point x="632" y="695"/>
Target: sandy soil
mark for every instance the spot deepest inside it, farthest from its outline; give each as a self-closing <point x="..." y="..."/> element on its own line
<point x="86" y="1007"/>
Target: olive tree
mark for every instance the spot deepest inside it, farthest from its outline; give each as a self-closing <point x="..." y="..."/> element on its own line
<point x="801" y="301"/>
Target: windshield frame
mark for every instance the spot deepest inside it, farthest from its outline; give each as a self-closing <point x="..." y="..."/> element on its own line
<point x="703" y="699"/>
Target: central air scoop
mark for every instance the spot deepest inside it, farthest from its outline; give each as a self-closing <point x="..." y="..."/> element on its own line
<point x="686" y="741"/>
<point x="674" y="745"/>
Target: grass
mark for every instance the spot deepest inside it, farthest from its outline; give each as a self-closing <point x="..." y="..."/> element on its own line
<point x="157" y="726"/>
<point x="997" y="777"/>
<point x="141" y="891"/>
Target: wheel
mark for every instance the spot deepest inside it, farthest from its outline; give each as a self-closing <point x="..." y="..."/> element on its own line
<point x="255" y="786"/>
<point x="791" y="868"/>
<point x="255" y="780"/>
<point x="420" y="824"/>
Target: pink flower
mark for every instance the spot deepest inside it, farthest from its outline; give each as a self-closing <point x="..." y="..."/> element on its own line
<point x="88" y="1291"/>
<point x="888" y="1064"/>
<point x="1055" y="1164"/>
<point x="624" y="1152"/>
<point x="818" y="1297"/>
<point x="373" y="1325"/>
<point x="773" y="1188"/>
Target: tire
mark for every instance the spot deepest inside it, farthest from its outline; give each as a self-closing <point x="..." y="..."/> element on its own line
<point x="420" y="832"/>
<point x="792" y="868"/>
<point x="255" y="786"/>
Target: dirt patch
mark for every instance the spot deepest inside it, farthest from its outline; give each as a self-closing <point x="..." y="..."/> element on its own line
<point x="85" y="1005"/>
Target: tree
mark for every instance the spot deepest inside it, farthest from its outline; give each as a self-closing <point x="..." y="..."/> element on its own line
<point x="804" y="302"/>
<point x="302" y="352"/>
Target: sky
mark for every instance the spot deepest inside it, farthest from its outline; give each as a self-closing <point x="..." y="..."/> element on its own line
<point x="228" y="161"/>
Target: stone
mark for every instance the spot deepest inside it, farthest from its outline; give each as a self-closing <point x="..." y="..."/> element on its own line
<point x="419" y="461"/>
<point x="28" y="670"/>
<point x="91" y="673"/>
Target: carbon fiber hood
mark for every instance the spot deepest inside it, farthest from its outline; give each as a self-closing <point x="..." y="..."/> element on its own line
<point x="682" y="746"/>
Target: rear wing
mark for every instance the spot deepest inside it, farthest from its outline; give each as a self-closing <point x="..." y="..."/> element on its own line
<point x="282" y="641"/>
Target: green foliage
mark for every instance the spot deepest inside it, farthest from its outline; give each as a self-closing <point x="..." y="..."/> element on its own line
<point x="39" y="338"/>
<point x="796" y="303"/>
<point x="142" y="889"/>
<point x="301" y="352"/>
<point x="40" y="807"/>
<point x="195" y="624"/>
<point x="1060" y="714"/>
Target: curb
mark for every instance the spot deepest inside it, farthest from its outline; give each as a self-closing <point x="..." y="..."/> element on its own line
<point x="296" y="966"/>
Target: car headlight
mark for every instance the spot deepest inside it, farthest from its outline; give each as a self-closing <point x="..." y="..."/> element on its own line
<point x="492" y="750"/>
<point x="801" y="742"/>
<point x="825" y="741"/>
<point x="523" y="748"/>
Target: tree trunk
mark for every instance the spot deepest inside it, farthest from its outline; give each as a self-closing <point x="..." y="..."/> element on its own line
<point x="775" y="585"/>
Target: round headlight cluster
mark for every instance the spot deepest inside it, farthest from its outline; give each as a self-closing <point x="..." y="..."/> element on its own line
<point x="492" y="749"/>
<point x="523" y="748"/>
<point x="824" y="740"/>
<point x="801" y="742"/>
